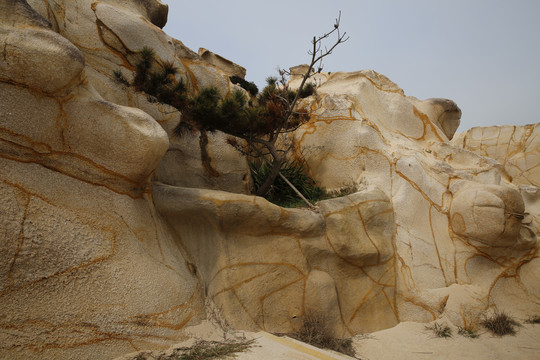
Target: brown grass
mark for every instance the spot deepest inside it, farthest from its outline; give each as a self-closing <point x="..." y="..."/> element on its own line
<point x="534" y="319"/>
<point x="500" y="323"/>
<point x="315" y="331"/>
<point x="203" y="350"/>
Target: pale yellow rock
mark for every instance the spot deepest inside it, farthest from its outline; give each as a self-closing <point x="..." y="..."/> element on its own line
<point x="515" y="147"/>
<point x="462" y="226"/>
<point x="89" y="269"/>
<point x="220" y="62"/>
<point x="442" y="112"/>
<point x="321" y="299"/>
<point x="256" y="259"/>
<point x="204" y="160"/>
<point x="490" y="214"/>
<point x="97" y="261"/>
<point x="104" y="32"/>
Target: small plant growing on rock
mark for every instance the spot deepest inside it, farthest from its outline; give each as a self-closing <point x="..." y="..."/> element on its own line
<point x="306" y="91"/>
<point x="281" y="193"/>
<point x="315" y="331"/>
<point x="249" y="86"/>
<point x="440" y="330"/>
<point x="261" y="123"/>
<point x="500" y="323"/>
<point x="120" y="77"/>
<point x="276" y="113"/>
<point x="467" y="332"/>
<point x="158" y="81"/>
<point x="203" y="350"/>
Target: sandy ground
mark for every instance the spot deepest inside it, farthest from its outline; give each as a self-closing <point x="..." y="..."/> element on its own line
<point x="410" y="340"/>
<point x="406" y="341"/>
<point x="271" y="347"/>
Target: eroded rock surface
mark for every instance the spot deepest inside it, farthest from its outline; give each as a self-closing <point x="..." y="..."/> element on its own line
<point x="463" y="229"/>
<point x="89" y="268"/>
<point x="98" y="260"/>
<point x="517" y="148"/>
<point x="260" y="262"/>
<point x="111" y="34"/>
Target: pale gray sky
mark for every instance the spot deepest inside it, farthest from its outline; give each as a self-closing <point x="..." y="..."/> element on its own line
<point x="483" y="54"/>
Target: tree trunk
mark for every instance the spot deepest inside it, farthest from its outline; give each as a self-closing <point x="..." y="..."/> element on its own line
<point x="265" y="187"/>
<point x="297" y="191"/>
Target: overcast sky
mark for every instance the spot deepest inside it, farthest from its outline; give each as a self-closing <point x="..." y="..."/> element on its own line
<point x="483" y="54"/>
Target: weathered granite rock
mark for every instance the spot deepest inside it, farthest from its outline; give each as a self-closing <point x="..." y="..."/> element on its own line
<point x="489" y="214"/>
<point x="261" y="264"/>
<point x="224" y="64"/>
<point x="104" y="33"/>
<point x="433" y="235"/>
<point x="89" y="269"/>
<point x="98" y="261"/>
<point x="517" y="148"/>
<point x="463" y="232"/>
<point x="444" y="113"/>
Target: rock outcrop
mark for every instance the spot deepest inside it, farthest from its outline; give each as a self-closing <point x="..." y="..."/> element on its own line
<point x="463" y="230"/>
<point x="89" y="269"/>
<point x="104" y="31"/>
<point x="264" y="265"/>
<point x="516" y="148"/>
<point x="114" y="232"/>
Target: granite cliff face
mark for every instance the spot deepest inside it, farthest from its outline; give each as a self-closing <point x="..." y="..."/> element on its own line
<point x="89" y="268"/>
<point x="114" y="232"/>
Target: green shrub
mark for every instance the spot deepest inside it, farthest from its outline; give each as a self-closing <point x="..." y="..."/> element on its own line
<point x="157" y="81"/>
<point x="307" y="90"/>
<point x="440" y="330"/>
<point x="169" y="68"/>
<point x="281" y="193"/>
<point x="142" y="68"/>
<point x="500" y="323"/>
<point x="120" y="77"/>
<point x="263" y="118"/>
<point x="467" y="332"/>
<point x="249" y="86"/>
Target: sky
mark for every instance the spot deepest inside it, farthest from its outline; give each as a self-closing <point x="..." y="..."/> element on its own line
<point x="483" y="54"/>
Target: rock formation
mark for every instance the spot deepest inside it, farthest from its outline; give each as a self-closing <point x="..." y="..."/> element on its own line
<point x="89" y="268"/>
<point x="114" y="232"/>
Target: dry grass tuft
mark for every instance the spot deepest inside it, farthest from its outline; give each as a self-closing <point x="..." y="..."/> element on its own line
<point x="533" y="319"/>
<point x="204" y="350"/>
<point x="500" y="323"/>
<point x="315" y="331"/>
